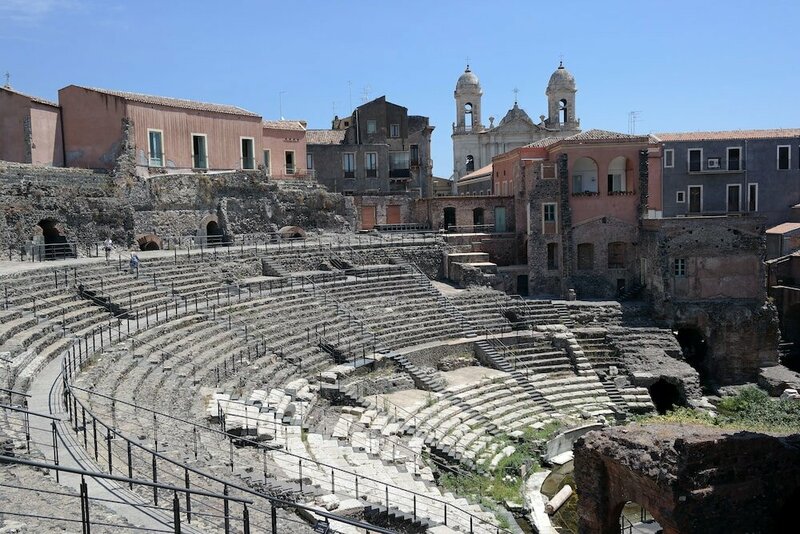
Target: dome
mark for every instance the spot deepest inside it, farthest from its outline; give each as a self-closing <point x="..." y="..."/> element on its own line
<point x="467" y="81"/>
<point x="561" y="80"/>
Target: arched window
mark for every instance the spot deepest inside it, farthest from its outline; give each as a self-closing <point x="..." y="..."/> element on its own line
<point x="617" y="181"/>
<point x="468" y="116"/>
<point x="585" y="256"/>
<point x="470" y="163"/>
<point x="562" y="111"/>
<point x="616" y="255"/>
<point x="584" y="176"/>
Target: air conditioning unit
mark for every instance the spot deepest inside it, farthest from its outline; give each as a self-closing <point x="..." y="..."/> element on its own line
<point x="713" y="163"/>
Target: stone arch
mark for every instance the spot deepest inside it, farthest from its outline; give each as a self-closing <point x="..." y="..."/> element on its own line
<point x="292" y="232"/>
<point x="468" y="116"/>
<point x="209" y="230"/>
<point x="584" y="175"/>
<point x="50" y="242"/>
<point x="470" y="163"/>
<point x="665" y="395"/>
<point x="149" y="242"/>
<point x="563" y="111"/>
<point x="632" y="513"/>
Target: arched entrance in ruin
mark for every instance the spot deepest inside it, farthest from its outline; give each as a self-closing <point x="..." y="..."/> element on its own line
<point x="790" y="338"/>
<point x="52" y="245"/>
<point x="449" y="217"/>
<point x="695" y="350"/>
<point x="636" y="519"/>
<point x="149" y="242"/>
<point x="665" y="396"/>
<point x="214" y="234"/>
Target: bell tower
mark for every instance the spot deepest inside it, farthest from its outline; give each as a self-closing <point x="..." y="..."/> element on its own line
<point x="467" y="126"/>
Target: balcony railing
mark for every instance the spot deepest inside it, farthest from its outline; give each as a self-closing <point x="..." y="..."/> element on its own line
<point x="372" y="173"/>
<point x="199" y="161"/>
<point x="249" y="163"/>
<point x="399" y="173"/>
<point x="155" y="160"/>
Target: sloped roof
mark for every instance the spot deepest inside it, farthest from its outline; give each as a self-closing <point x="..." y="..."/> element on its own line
<point x="546" y="142"/>
<point x="325" y="137"/>
<point x="32" y="98"/>
<point x="284" y="125"/>
<point x="515" y="113"/>
<point x="483" y="171"/>
<point x="784" y="228"/>
<point x="774" y="133"/>
<point x="604" y="135"/>
<point x="174" y="102"/>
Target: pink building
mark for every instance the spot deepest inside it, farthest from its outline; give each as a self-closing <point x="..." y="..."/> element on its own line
<point x="30" y="129"/>
<point x="284" y="152"/>
<point x="168" y="134"/>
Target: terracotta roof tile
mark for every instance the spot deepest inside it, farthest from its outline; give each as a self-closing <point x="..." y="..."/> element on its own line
<point x="483" y="171"/>
<point x="33" y="98"/>
<point x="775" y="133"/>
<point x="284" y="125"/>
<point x="325" y="137"/>
<point x="546" y="142"/>
<point x="604" y="135"/>
<point x="175" y="102"/>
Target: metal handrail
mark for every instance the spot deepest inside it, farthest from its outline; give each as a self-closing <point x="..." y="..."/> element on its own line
<point x="280" y="451"/>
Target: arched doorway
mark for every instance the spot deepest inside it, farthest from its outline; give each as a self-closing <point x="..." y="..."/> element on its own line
<point x="214" y="235"/>
<point x="477" y="217"/>
<point x="449" y="217"/>
<point x="635" y="519"/>
<point x="790" y="338"/>
<point x="695" y="350"/>
<point x="54" y="245"/>
<point x="149" y="242"/>
<point x="665" y="396"/>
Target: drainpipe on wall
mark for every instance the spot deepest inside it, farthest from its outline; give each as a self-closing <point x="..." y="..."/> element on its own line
<point x="746" y="182"/>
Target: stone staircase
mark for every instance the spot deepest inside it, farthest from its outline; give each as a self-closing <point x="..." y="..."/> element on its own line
<point x="422" y="379"/>
<point x="498" y="361"/>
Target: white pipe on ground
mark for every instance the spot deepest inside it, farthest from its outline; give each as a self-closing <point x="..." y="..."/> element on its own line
<point x="558" y="500"/>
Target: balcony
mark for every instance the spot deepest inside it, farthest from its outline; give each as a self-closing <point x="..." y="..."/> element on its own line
<point x="155" y="160"/>
<point x="399" y="173"/>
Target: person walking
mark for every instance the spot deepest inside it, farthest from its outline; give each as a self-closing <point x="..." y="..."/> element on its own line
<point x="107" y="246"/>
<point x="134" y="263"/>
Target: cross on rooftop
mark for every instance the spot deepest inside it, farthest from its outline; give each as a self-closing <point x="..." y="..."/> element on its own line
<point x="516" y="93"/>
<point x="8" y="79"/>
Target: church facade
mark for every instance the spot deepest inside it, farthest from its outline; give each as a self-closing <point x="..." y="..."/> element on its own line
<point x="474" y="144"/>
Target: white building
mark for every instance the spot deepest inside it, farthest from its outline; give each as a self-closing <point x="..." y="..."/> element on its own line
<point x="474" y="144"/>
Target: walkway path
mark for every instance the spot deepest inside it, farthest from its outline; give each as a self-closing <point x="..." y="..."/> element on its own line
<point x="46" y="397"/>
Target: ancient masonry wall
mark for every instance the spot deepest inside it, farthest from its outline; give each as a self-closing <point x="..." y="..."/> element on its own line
<point x="721" y="294"/>
<point x="90" y="206"/>
<point x="688" y="478"/>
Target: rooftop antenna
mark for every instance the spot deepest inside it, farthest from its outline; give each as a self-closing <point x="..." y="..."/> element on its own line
<point x="8" y="80"/>
<point x="633" y="116"/>
<point x="365" y="96"/>
<point x="280" y="103"/>
<point x="350" y="93"/>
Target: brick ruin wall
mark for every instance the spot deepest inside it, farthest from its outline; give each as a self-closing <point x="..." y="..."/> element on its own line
<point x="691" y="479"/>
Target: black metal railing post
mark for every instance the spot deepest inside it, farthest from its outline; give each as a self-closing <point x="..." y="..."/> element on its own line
<point x="176" y="513"/>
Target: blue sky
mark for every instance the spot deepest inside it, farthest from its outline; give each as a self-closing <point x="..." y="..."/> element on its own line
<point x="684" y="65"/>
